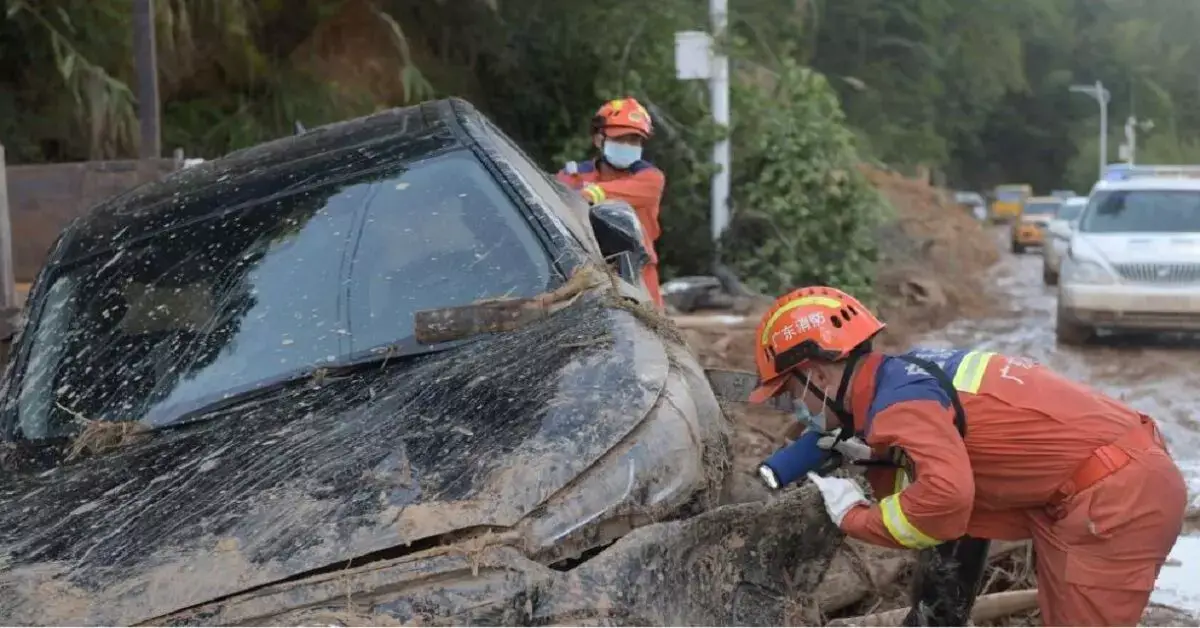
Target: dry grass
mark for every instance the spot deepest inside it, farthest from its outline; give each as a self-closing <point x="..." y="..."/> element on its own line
<point x="98" y="437"/>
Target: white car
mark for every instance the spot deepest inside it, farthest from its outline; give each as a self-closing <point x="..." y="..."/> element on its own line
<point x="1133" y="262"/>
<point x="1058" y="236"/>
<point x="974" y="201"/>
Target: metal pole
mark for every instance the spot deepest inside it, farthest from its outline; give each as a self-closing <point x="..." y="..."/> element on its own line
<point x="1131" y="139"/>
<point x="719" y="84"/>
<point x="1102" y="96"/>
<point x="8" y="280"/>
<point x="146" y="62"/>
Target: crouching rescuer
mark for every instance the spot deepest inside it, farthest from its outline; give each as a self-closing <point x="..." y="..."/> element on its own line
<point x="619" y="130"/>
<point x="961" y="447"/>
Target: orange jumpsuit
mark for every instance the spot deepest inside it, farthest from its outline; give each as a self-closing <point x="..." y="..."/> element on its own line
<point x="641" y="186"/>
<point x="1089" y="479"/>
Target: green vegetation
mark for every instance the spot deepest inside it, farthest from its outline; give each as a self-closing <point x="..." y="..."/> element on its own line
<point x="805" y="213"/>
<point x="975" y="91"/>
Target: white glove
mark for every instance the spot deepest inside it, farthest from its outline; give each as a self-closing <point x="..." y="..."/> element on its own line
<point x="853" y="448"/>
<point x="840" y="496"/>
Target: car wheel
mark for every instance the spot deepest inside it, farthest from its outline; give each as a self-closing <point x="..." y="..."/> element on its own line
<point x="1017" y="248"/>
<point x="1070" y="332"/>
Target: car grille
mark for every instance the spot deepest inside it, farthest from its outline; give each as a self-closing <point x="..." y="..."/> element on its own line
<point x="1160" y="273"/>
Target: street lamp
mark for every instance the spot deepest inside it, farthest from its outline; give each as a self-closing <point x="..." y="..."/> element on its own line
<point x="1101" y="96"/>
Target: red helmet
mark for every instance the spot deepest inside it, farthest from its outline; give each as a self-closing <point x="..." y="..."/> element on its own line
<point x="813" y="323"/>
<point x="624" y="116"/>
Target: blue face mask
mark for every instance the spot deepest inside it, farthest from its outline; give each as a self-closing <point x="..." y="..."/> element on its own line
<point x="621" y="155"/>
<point x="815" y="421"/>
<point x="818" y="421"/>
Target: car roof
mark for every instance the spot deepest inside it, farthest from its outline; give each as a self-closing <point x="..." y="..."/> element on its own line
<point x="1075" y="200"/>
<point x="315" y="157"/>
<point x="1151" y="183"/>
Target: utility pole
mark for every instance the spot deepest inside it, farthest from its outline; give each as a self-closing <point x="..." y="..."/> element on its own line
<point x="697" y="57"/>
<point x="1101" y="96"/>
<point x="146" y="63"/>
<point x="1130" y="140"/>
<point x="1132" y="127"/>
<point x="719" y="86"/>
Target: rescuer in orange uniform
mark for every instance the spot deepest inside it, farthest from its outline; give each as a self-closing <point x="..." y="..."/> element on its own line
<point x="1036" y="455"/>
<point x="619" y="130"/>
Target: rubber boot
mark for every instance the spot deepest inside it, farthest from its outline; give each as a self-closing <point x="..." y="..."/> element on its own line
<point x="946" y="583"/>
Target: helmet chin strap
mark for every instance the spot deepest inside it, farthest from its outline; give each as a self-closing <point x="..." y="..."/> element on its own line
<point x="838" y="405"/>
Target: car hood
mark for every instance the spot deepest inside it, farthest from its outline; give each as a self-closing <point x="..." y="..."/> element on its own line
<point x="1127" y="248"/>
<point x="318" y="477"/>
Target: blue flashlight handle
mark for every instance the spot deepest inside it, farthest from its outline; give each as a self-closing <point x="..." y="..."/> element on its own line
<point x="794" y="461"/>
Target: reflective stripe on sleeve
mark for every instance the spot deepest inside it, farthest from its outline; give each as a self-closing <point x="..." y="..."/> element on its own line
<point x="594" y="193"/>
<point x="898" y="525"/>
<point x="970" y="371"/>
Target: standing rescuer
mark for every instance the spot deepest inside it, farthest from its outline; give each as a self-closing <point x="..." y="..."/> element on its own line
<point x="1000" y="447"/>
<point x="619" y="130"/>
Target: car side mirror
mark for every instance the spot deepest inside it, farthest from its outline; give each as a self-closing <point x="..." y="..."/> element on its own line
<point x="621" y="238"/>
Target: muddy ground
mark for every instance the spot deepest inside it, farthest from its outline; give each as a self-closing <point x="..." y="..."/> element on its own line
<point x="950" y="282"/>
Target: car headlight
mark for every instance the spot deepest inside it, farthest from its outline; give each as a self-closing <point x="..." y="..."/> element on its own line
<point x="1084" y="271"/>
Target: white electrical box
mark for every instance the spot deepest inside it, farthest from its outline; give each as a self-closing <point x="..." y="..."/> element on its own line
<point x="693" y="55"/>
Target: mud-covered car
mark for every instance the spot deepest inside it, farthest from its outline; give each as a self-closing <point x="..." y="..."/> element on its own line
<point x="382" y="371"/>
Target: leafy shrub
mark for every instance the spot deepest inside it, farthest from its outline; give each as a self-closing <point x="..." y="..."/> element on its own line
<point x="803" y="212"/>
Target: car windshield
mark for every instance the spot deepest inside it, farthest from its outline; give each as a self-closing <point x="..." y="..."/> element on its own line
<point x="1143" y="211"/>
<point x="192" y="315"/>
<point x="1044" y="208"/>
<point x="1070" y="210"/>
<point x="1009" y="196"/>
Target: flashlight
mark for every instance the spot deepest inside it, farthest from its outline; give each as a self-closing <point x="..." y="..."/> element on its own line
<point x="794" y="461"/>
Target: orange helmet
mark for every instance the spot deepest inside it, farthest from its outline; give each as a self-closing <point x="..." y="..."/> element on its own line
<point x="624" y="116"/>
<point x="813" y="323"/>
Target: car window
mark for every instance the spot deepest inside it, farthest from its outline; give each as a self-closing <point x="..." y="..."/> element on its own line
<point x="1009" y="196"/>
<point x="1146" y="211"/>
<point x="1069" y="211"/>
<point x="1041" y="208"/>
<point x="217" y="307"/>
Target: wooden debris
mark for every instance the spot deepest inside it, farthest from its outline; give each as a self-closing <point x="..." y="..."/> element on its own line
<point x="987" y="608"/>
<point x="500" y="315"/>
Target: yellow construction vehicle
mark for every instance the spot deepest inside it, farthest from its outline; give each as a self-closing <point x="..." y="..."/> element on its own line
<point x="1007" y="200"/>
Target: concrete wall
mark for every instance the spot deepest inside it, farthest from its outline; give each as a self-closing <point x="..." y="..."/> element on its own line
<point x="43" y="198"/>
